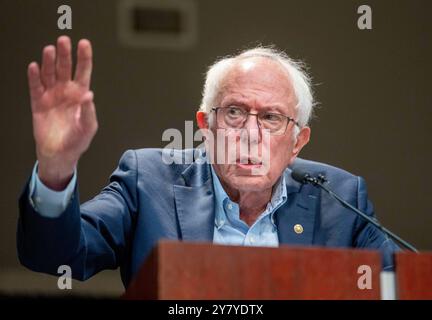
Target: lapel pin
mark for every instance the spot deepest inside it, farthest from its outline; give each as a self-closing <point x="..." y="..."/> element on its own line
<point x="298" y="228"/>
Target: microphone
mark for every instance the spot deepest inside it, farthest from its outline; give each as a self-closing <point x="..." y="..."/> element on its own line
<point x="305" y="178"/>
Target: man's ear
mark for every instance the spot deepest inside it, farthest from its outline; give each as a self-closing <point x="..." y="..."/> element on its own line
<point x="201" y="118"/>
<point x="301" y="140"/>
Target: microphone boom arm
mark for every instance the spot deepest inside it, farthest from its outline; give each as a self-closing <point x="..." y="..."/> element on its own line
<point x="320" y="180"/>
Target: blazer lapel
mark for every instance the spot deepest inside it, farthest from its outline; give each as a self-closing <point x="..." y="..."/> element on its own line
<point x="295" y="220"/>
<point x="194" y="201"/>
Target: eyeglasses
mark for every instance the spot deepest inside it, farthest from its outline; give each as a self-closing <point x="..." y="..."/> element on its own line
<point x="234" y="117"/>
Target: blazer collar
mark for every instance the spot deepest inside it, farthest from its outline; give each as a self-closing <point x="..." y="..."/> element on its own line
<point x="295" y="220"/>
<point x="194" y="199"/>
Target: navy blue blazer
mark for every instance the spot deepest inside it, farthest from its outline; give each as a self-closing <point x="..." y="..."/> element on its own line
<point x="148" y="200"/>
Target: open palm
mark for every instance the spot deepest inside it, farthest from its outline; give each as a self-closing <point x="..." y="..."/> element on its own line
<point x="64" y="115"/>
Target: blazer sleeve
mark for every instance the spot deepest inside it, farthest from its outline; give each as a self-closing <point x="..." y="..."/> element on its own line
<point x="368" y="236"/>
<point x="89" y="237"/>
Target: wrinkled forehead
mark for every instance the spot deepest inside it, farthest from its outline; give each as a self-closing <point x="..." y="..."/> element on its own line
<point x="259" y="81"/>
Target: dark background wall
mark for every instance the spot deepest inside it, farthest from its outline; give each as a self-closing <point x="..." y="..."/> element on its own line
<point x="373" y="87"/>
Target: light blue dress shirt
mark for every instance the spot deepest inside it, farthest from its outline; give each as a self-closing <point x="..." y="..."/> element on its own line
<point x="229" y="229"/>
<point x="47" y="202"/>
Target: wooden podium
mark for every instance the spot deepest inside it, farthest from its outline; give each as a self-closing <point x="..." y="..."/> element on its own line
<point x="180" y="270"/>
<point x="414" y="276"/>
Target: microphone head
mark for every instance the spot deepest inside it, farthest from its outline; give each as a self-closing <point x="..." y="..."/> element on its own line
<point x="300" y="175"/>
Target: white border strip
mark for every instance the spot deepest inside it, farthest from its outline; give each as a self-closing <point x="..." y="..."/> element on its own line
<point x="388" y="285"/>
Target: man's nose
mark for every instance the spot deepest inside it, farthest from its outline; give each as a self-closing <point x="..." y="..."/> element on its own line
<point x="252" y="122"/>
<point x="252" y="128"/>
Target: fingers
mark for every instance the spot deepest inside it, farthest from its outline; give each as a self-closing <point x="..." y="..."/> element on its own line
<point x="64" y="59"/>
<point x="48" y="72"/>
<point x="57" y="67"/>
<point x="84" y="64"/>
<point x="34" y="79"/>
<point x="88" y="113"/>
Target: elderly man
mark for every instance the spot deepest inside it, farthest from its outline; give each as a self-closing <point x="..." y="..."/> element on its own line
<point x="259" y="96"/>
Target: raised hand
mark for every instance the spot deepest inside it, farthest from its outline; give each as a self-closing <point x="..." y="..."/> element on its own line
<point x="64" y="114"/>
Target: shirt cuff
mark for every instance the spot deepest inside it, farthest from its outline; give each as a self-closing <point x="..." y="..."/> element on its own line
<point x="47" y="202"/>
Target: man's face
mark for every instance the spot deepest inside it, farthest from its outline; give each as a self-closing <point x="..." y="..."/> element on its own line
<point x="257" y="85"/>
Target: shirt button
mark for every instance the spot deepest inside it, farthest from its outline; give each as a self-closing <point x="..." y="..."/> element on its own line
<point x="230" y="206"/>
<point x="252" y="239"/>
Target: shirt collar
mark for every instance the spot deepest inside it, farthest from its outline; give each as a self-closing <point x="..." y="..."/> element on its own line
<point x="278" y="198"/>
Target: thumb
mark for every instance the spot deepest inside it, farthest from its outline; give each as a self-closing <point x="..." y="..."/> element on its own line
<point x="87" y="97"/>
<point x="88" y="112"/>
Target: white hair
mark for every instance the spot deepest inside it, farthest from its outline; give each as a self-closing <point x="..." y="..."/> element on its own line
<point x="300" y="80"/>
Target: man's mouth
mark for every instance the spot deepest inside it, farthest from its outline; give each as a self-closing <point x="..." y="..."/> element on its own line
<point x="249" y="162"/>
